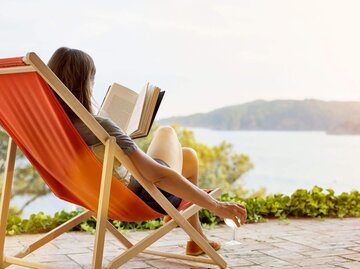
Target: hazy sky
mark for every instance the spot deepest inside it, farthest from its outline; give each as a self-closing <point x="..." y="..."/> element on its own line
<point x="205" y="54"/>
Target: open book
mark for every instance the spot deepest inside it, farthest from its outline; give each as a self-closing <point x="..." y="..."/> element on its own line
<point x="133" y="112"/>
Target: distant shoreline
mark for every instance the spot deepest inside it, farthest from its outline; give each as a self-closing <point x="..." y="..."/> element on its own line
<point x="270" y="130"/>
<point x="334" y="118"/>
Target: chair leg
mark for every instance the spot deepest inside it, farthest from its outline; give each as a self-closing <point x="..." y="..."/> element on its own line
<point x="6" y="195"/>
<point x="133" y="250"/>
<point x="54" y="234"/>
<point x="103" y="205"/>
<point x="188" y="212"/>
<point x="122" y="239"/>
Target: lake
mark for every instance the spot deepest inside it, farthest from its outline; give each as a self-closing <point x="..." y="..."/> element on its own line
<point x="286" y="161"/>
<point x="283" y="162"/>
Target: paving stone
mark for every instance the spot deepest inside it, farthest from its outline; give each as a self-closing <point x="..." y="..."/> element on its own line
<point x="243" y="254"/>
<point x="11" y="251"/>
<point x="349" y="265"/>
<point x="311" y="262"/>
<point x="268" y="261"/>
<point x="50" y="258"/>
<point x="324" y="266"/>
<point x="283" y="254"/>
<point x="82" y="259"/>
<point x="249" y="267"/>
<point x="67" y="265"/>
<point x="333" y="252"/>
<point x="164" y="264"/>
<point x="355" y="257"/>
<point x="12" y="241"/>
<point x="294" y="247"/>
<point x="239" y="262"/>
<point x="297" y="243"/>
<point x="356" y="249"/>
<point x="135" y="264"/>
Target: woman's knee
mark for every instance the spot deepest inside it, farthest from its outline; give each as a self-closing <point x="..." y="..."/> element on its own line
<point x="190" y="154"/>
<point x="165" y="130"/>
<point x="166" y="135"/>
<point x="166" y="146"/>
<point x="190" y="161"/>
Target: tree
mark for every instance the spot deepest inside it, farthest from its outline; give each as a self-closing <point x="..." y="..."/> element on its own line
<point x="26" y="180"/>
<point x="3" y="146"/>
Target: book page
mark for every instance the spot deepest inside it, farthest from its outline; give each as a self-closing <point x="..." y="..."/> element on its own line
<point x="149" y="108"/>
<point x="136" y="114"/>
<point x="152" y="102"/>
<point x="118" y="105"/>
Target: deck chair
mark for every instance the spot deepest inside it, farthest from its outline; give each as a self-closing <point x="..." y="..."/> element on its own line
<point x="36" y="123"/>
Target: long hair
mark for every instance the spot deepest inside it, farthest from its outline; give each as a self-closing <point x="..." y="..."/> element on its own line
<point x="76" y="69"/>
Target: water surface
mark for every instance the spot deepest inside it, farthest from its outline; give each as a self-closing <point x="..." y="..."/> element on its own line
<point x="286" y="161"/>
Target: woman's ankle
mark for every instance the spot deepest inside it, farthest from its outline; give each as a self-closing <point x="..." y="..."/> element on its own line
<point x="202" y="234"/>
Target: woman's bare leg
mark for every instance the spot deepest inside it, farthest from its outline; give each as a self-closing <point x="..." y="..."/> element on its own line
<point x="190" y="171"/>
<point x="166" y="146"/>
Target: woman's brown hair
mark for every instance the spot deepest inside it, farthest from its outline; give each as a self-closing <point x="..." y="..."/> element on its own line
<point x="76" y="69"/>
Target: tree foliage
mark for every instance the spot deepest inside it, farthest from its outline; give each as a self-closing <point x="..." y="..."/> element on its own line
<point x="3" y="146"/>
<point x="26" y="180"/>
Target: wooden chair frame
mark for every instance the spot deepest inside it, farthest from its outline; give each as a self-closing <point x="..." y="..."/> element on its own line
<point x="112" y="150"/>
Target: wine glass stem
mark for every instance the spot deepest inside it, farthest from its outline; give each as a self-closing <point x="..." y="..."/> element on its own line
<point x="234" y="234"/>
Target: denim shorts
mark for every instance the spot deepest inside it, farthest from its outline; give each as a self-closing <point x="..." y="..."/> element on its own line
<point x="149" y="200"/>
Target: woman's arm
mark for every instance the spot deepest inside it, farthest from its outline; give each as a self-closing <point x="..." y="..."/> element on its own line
<point x="172" y="182"/>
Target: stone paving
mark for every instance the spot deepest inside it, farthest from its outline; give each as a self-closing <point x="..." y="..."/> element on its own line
<point x="294" y="243"/>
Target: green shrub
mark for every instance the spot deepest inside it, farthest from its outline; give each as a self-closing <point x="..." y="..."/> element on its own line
<point x="302" y="203"/>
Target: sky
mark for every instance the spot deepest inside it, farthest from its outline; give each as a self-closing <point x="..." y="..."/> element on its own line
<point x="204" y="54"/>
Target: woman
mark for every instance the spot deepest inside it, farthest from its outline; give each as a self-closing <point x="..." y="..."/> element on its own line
<point x="172" y="168"/>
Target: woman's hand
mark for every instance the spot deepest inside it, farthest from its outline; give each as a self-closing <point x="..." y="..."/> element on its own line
<point x="231" y="210"/>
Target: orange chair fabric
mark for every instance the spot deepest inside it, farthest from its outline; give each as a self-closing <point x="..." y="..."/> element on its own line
<point x="32" y="116"/>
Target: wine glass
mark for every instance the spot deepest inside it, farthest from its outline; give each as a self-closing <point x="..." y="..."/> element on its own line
<point x="233" y="241"/>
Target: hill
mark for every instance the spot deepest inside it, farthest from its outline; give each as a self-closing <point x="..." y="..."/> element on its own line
<point x="334" y="117"/>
